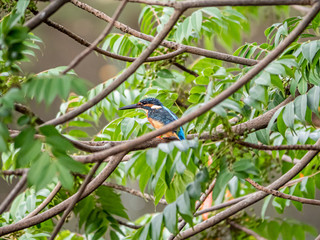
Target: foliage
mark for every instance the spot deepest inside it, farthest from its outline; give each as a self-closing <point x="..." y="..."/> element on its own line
<point x="176" y="171"/>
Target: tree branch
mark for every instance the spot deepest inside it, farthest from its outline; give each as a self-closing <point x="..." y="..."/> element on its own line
<point x="25" y="110"/>
<point x="129" y="225"/>
<point x="104" y="33"/>
<point x="45" y="202"/>
<point x="172" y="45"/>
<point x="246" y="230"/>
<point x="44" y="14"/>
<point x="183" y="68"/>
<point x="14" y="192"/>
<point x="221" y="3"/>
<point x="283" y="195"/>
<point x="278" y="147"/>
<point x="134" y="192"/>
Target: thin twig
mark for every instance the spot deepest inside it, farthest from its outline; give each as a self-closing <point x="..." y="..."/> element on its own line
<point x="14" y="192"/>
<point x="132" y="191"/>
<point x="278" y="147"/>
<point x="183" y="68"/>
<point x="246" y="230"/>
<point x="25" y="110"/>
<point x="45" y="202"/>
<point x="127" y="224"/>
<point x="221" y="3"/>
<point x="283" y="195"/>
<point x="104" y="33"/>
<point x="44" y="14"/>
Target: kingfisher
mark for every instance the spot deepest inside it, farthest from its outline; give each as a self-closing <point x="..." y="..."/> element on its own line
<point x="158" y="115"/>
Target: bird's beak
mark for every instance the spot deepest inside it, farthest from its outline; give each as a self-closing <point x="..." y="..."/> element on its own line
<point x="130" y="107"/>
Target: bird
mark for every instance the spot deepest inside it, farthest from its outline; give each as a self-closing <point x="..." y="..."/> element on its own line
<point x="158" y="115"/>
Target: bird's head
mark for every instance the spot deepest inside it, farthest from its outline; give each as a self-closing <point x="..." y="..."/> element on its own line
<point x="146" y="104"/>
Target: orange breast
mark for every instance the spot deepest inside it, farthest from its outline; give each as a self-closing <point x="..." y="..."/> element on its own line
<point x="156" y="124"/>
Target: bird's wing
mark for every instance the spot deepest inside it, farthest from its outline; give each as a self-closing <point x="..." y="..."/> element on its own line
<point x="168" y="117"/>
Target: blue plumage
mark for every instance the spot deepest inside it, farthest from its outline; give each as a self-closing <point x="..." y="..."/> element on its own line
<point x="158" y="115"/>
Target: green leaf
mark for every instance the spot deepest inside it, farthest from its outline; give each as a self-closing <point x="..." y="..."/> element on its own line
<point x="280" y="124"/>
<point x="288" y="115"/>
<point x="196" y="20"/>
<point x="309" y="50"/>
<point x="202" y="80"/>
<point x="156" y="226"/>
<point x="111" y="201"/>
<point x="300" y="107"/>
<point x="170" y="217"/>
<point x="198" y="89"/>
<point x="64" y="176"/>
<point x="41" y="172"/>
<point x="313" y="97"/>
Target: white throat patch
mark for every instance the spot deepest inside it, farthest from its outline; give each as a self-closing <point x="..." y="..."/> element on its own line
<point x="156" y="107"/>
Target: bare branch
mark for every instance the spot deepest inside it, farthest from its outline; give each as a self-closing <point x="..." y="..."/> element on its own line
<point x="130" y="225"/>
<point x="25" y="110"/>
<point x="183" y="68"/>
<point x="14" y="192"/>
<point x="221" y="3"/>
<point x="45" y="202"/>
<point x="104" y="33"/>
<point x="246" y="230"/>
<point x="284" y="157"/>
<point x="44" y="14"/>
<point x="17" y="172"/>
<point x="133" y="192"/>
<point x="283" y="195"/>
<point x="172" y="45"/>
<point x="302" y="9"/>
<point x="279" y="147"/>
